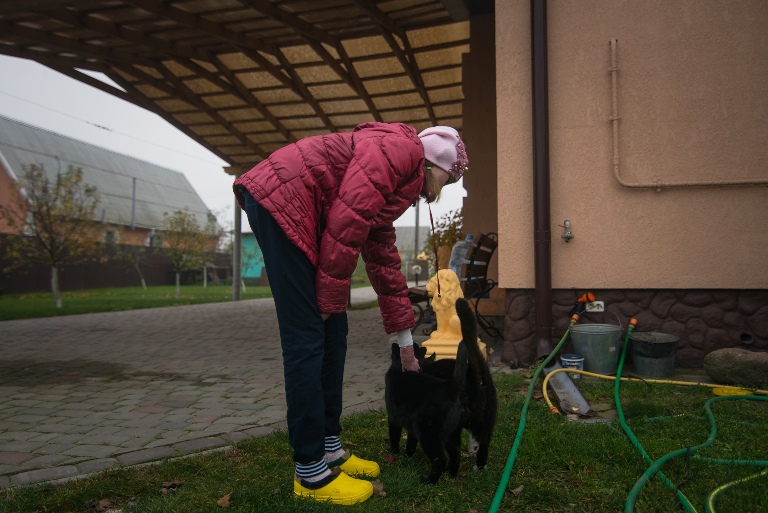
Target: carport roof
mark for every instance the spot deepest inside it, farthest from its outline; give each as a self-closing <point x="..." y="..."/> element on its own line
<point x="246" y="77"/>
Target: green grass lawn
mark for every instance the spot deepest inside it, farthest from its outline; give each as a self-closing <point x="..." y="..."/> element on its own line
<point x="41" y="304"/>
<point x="562" y="466"/>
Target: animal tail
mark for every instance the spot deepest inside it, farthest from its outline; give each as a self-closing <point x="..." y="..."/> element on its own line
<point x="468" y="322"/>
<point x="469" y="336"/>
<point x="459" y="377"/>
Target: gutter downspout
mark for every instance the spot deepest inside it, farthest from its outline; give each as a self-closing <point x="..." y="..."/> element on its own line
<point x="541" y="201"/>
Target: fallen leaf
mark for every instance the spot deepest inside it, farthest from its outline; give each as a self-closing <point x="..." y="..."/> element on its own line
<point x="390" y="459"/>
<point x="170" y="486"/>
<point x="101" y="506"/>
<point x="517" y="491"/>
<point x="473" y="511"/>
<point x="224" y="501"/>
<point x="353" y="444"/>
<point x="378" y="488"/>
<point x="275" y="491"/>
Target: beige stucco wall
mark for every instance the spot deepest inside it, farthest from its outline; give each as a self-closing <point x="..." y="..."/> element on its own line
<point x="692" y="107"/>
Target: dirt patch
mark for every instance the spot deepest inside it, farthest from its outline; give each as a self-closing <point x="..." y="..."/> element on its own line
<point x="26" y="373"/>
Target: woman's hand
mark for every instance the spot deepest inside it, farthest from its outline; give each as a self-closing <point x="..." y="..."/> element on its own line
<point x="408" y="360"/>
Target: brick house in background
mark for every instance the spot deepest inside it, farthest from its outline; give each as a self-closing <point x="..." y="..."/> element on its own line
<point x="133" y="194"/>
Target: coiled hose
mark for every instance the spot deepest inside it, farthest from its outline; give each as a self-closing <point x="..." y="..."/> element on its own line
<point x="655" y="466"/>
<point x="632" y="497"/>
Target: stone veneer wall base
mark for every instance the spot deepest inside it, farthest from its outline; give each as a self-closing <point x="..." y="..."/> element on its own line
<point x="705" y="320"/>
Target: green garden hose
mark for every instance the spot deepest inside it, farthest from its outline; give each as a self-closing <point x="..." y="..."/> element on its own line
<point x="655" y="467"/>
<point x="519" y="436"/>
<point x="632" y="438"/>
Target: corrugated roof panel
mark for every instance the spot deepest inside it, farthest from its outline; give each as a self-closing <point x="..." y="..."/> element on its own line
<point x="159" y="190"/>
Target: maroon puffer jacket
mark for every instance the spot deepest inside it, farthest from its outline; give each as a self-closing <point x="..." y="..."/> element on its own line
<point x="336" y="196"/>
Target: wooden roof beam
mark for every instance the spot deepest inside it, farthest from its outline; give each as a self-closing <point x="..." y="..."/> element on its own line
<point x="185" y="93"/>
<point x="245" y="44"/>
<point x="168" y="11"/>
<point x="404" y="55"/>
<point x="94" y="82"/>
<point x="457" y="9"/>
<point x="47" y="38"/>
<point x="51" y="59"/>
<point x="351" y="77"/>
<point x="172" y="50"/>
<point x="108" y="28"/>
<point x="175" y="88"/>
<point x="147" y="104"/>
<point x="315" y="38"/>
<point x="248" y="97"/>
<point x="306" y="94"/>
<point x="14" y="6"/>
<point x="297" y="24"/>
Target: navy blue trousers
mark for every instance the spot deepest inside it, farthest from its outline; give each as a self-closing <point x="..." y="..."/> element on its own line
<point x="313" y="351"/>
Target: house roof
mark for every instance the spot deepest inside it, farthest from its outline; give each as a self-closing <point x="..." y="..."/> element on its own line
<point x="406" y="236"/>
<point x="244" y="78"/>
<point x="158" y="190"/>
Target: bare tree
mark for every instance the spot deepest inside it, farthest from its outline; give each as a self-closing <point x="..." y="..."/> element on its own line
<point x="136" y="255"/>
<point x="55" y="217"/>
<point x="186" y="243"/>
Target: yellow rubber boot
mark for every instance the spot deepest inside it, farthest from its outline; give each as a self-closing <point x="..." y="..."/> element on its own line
<point x="354" y="466"/>
<point x="338" y="488"/>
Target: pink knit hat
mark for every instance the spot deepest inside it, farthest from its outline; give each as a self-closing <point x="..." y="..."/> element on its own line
<point x="444" y="148"/>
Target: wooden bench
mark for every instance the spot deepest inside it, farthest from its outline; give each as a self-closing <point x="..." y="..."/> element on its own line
<point x="475" y="284"/>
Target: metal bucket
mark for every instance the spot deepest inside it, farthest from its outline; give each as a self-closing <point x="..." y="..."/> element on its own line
<point x="599" y="343"/>
<point x="653" y="353"/>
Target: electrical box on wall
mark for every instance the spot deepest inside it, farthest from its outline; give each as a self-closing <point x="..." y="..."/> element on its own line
<point x="595" y="306"/>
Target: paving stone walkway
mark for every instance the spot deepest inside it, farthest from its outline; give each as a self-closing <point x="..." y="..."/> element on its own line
<point x="80" y="394"/>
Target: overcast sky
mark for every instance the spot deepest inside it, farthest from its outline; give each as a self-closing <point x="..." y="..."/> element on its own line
<point x="39" y="96"/>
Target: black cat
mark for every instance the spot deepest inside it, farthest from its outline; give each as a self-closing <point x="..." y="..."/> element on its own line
<point x="430" y="409"/>
<point x="480" y="393"/>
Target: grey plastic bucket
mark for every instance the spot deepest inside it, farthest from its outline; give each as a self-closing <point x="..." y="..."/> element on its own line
<point x="599" y="344"/>
<point x="653" y="353"/>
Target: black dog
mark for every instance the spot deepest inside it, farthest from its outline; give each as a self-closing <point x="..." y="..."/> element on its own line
<point x="480" y="393"/>
<point x="430" y="409"/>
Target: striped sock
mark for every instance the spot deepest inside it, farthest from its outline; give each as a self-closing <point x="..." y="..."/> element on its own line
<point x="312" y="472"/>
<point x="333" y="450"/>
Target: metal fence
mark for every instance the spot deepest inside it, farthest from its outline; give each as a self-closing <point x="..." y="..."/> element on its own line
<point x="103" y="272"/>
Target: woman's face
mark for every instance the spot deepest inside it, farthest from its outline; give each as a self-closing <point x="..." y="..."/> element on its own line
<point x="441" y="175"/>
<point x="436" y="178"/>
